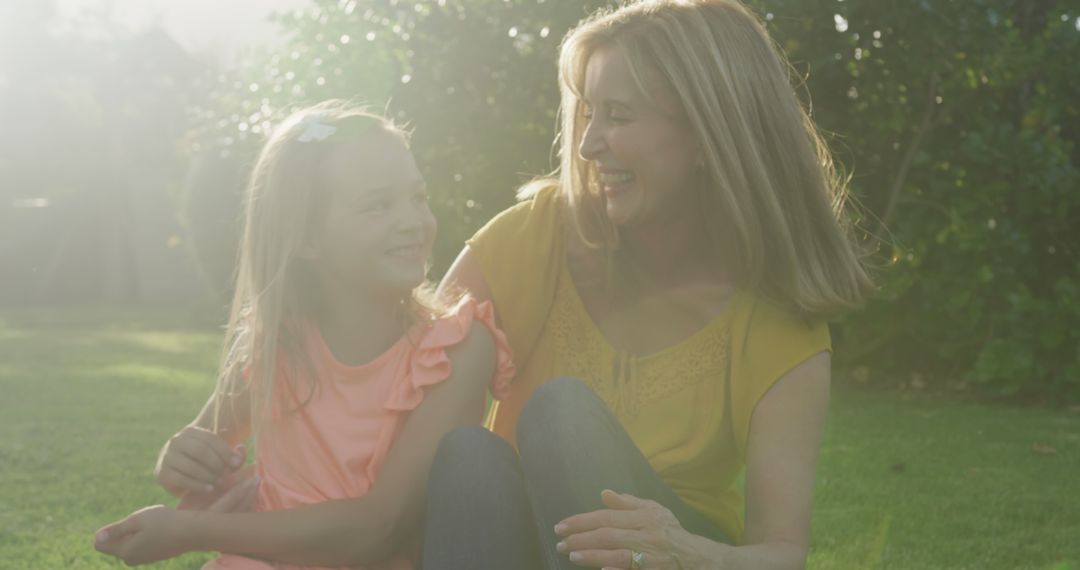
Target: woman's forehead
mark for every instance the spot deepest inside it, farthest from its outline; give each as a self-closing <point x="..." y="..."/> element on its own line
<point x="610" y="78"/>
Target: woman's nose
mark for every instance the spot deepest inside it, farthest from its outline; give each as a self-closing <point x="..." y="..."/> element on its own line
<point x="592" y="143"/>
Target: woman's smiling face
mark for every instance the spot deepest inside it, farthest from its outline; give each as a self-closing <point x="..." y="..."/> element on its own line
<point x="647" y="159"/>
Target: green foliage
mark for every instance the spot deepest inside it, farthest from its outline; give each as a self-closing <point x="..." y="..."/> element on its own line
<point x="959" y="123"/>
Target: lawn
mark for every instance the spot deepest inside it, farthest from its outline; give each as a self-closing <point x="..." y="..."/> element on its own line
<point x="88" y="396"/>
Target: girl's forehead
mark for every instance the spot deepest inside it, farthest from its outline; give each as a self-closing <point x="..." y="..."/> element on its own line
<point x="379" y="160"/>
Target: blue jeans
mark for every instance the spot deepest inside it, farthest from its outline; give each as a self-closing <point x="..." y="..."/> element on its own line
<point x="489" y="507"/>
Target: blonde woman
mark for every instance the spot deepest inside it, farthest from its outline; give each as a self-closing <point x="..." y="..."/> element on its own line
<point x="665" y="298"/>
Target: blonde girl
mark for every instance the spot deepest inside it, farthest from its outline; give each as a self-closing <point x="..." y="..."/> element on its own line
<point x="346" y="371"/>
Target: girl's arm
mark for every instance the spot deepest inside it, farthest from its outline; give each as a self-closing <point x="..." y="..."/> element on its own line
<point x="347" y="532"/>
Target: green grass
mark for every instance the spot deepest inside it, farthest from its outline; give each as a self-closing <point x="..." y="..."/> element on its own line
<point x="88" y="396"/>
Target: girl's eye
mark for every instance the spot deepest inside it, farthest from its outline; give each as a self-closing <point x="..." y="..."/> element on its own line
<point x="380" y="206"/>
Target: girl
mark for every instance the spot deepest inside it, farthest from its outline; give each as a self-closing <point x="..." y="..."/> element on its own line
<point x="336" y="359"/>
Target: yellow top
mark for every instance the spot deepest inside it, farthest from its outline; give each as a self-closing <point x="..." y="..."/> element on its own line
<point x="672" y="403"/>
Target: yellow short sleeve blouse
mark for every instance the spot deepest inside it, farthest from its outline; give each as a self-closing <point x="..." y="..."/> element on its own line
<point x="675" y="403"/>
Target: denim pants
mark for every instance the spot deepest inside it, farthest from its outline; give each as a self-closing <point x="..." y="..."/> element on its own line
<point x="489" y="507"/>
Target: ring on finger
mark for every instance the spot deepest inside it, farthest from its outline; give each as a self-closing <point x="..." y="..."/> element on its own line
<point x="637" y="560"/>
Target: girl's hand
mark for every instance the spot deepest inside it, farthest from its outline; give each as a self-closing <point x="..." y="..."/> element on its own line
<point x="608" y="538"/>
<point x="195" y="460"/>
<point x="145" y="536"/>
<point x="157" y="533"/>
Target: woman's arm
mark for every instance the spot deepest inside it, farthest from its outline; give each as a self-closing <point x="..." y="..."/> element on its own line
<point x="466" y="276"/>
<point x="346" y="532"/>
<point x="785" y="434"/>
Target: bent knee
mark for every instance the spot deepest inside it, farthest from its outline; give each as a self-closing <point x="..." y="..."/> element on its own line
<point x="470" y="447"/>
<point x="555" y="412"/>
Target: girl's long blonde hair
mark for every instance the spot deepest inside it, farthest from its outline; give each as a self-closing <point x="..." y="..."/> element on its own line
<point x="275" y="287"/>
<point x="772" y="201"/>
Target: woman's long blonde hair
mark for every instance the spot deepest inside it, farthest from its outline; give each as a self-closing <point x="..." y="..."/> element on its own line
<point x="773" y="203"/>
<point x="275" y="287"/>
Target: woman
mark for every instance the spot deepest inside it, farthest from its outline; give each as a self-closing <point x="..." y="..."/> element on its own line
<point x="674" y="279"/>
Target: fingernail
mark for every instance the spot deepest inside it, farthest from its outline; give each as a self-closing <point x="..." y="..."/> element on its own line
<point x="561" y="547"/>
<point x="560" y="528"/>
<point x="575" y="557"/>
<point x="103" y="536"/>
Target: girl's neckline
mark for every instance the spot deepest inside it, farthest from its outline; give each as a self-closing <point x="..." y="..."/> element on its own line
<point x="594" y="329"/>
<point x="328" y="356"/>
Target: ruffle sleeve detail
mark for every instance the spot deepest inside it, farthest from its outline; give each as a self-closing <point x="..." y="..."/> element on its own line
<point x="430" y="365"/>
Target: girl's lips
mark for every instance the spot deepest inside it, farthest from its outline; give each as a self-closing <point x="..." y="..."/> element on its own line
<point x="406" y="251"/>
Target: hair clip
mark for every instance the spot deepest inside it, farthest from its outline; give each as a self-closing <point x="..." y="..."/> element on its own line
<point x="315" y="129"/>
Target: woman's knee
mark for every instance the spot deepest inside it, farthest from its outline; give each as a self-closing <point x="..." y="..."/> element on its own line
<point x="558" y="413"/>
<point x="473" y="467"/>
<point x="465" y="450"/>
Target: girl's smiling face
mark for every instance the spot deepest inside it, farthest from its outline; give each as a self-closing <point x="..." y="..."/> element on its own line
<point x="646" y="158"/>
<point x="377" y="231"/>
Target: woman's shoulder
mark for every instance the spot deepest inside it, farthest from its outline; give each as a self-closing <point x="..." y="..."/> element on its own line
<point x="534" y="218"/>
<point x="767" y="334"/>
<point x="520" y="253"/>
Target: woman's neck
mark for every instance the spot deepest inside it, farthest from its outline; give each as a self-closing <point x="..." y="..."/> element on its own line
<point x="666" y="247"/>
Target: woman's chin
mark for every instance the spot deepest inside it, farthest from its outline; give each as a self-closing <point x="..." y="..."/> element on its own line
<point x="621" y="206"/>
<point x="620" y="214"/>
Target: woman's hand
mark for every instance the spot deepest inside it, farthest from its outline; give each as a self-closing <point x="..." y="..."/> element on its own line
<point x="196" y="460"/>
<point x="608" y="538"/>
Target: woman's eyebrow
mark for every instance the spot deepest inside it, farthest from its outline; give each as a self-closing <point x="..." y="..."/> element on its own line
<point x="610" y="101"/>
